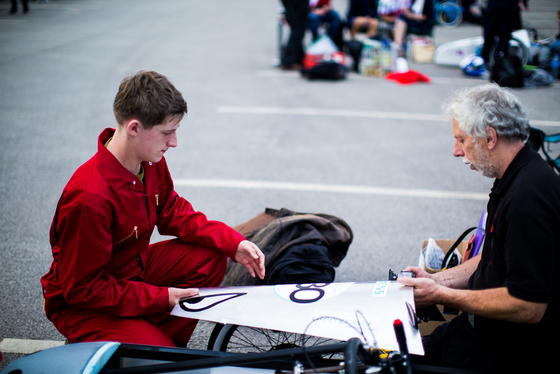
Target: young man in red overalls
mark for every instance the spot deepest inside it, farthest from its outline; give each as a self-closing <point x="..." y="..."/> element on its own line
<point x="106" y="281"/>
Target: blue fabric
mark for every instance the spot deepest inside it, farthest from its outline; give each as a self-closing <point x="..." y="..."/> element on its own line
<point x="331" y="17"/>
<point x="555" y="47"/>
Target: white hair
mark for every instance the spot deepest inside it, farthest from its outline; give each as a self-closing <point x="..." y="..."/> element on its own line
<point x="476" y="109"/>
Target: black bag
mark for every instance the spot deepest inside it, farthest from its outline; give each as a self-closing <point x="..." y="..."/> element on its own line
<point x="305" y="263"/>
<point x="508" y="72"/>
<point x="326" y="70"/>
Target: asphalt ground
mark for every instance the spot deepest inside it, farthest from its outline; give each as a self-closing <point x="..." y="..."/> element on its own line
<point x="370" y="151"/>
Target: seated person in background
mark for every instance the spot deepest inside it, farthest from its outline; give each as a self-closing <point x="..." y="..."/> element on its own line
<point x="321" y="11"/>
<point x="389" y="10"/>
<point x="509" y="295"/>
<point x="418" y="19"/>
<point x="106" y="281"/>
<point x="362" y="17"/>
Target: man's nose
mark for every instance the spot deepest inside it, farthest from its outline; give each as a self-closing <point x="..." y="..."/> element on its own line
<point x="458" y="150"/>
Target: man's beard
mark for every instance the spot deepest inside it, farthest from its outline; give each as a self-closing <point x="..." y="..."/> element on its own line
<point x="483" y="165"/>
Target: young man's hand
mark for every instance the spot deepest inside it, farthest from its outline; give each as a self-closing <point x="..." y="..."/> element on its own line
<point x="250" y="256"/>
<point x="176" y="293"/>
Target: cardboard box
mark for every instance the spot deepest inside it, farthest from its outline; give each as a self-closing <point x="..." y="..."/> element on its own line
<point x="445" y="245"/>
<point x="426" y="328"/>
<point x="422" y="50"/>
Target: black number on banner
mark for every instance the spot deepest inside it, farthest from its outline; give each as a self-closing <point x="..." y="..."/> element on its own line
<point x="313" y="287"/>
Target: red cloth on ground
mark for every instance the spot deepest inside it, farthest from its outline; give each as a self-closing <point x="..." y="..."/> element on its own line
<point x="411" y="76"/>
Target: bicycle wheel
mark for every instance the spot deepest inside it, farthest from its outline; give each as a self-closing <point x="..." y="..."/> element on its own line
<point x="244" y="339"/>
<point x="516" y="48"/>
<point x="448" y="14"/>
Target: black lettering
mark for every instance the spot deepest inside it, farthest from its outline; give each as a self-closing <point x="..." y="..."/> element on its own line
<point x="200" y="303"/>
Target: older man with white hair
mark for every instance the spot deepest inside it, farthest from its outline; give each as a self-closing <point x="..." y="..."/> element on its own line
<point x="509" y="294"/>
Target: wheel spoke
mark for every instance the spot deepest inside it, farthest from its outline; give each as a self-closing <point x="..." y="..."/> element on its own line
<point x="248" y="339"/>
<point x="241" y="340"/>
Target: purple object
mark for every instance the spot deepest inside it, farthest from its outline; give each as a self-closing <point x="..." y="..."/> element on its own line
<point x="479" y="236"/>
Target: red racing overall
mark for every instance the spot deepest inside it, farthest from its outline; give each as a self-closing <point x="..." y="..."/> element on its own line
<point x="106" y="281"/>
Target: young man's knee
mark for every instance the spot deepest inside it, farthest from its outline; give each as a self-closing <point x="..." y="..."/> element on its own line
<point x="211" y="270"/>
<point x="220" y="262"/>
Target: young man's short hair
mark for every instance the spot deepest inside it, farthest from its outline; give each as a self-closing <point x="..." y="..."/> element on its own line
<point x="148" y="97"/>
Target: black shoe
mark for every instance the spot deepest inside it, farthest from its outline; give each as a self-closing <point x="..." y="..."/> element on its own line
<point x="296" y="67"/>
<point x="12" y="11"/>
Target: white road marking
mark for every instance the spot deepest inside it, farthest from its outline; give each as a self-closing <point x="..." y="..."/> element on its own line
<point x="351" y="113"/>
<point x="27" y="346"/>
<point x="330" y="112"/>
<point x="310" y="187"/>
<point x="537" y="123"/>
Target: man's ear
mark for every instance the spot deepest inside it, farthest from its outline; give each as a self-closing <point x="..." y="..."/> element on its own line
<point x="132" y="127"/>
<point x="491" y="137"/>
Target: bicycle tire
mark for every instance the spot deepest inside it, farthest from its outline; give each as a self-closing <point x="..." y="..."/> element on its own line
<point x="244" y="339"/>
<point x="218" y="342"/>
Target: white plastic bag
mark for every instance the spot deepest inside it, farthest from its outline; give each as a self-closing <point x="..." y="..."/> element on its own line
<point x="431" y="256"/>
<point x="323" y="45"/>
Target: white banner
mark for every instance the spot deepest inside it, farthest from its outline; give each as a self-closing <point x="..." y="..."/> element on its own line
<point x="331" y="310"/>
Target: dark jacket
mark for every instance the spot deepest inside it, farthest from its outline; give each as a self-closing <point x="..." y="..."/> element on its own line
<point x="276" y="231"/>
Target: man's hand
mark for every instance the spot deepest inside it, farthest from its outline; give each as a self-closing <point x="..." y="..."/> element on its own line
<point x="425" y="289"/>
<point x="425" y="286"/>
<point x="250" y="256"/>
<point x="176" y="293"/>
<point x="429" y="289"/>
<point x="495" y="303"/>
<point x="418" y="272"/>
